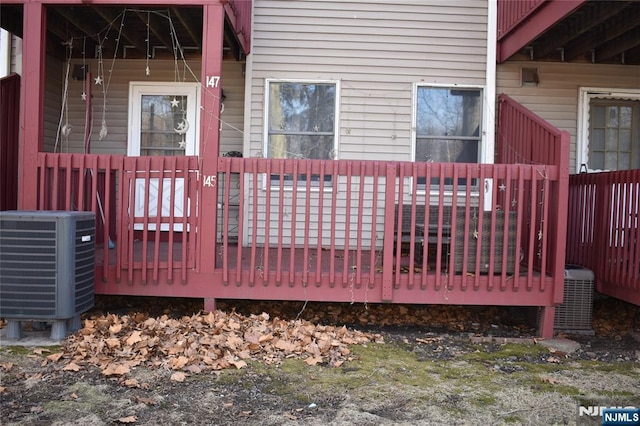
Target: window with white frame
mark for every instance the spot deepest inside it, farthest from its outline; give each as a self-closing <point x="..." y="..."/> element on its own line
<point x="448" y="124"/>
<point x="301" y="120"/>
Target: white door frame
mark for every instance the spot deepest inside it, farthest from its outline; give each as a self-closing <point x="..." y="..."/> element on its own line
<point x="139" y="88"/>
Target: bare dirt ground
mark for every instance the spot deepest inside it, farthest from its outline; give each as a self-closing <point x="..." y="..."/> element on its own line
<point x="162" y="362"/>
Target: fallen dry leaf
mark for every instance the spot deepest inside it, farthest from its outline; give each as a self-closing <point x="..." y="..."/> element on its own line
<point x="134" y="338"/>
<point x="239" y="364"/>
<point x="129" y="419"/>
<point x="72" y="366"/>
<point x="178" y="377"/>
<point x="74" y="396"/>
<point x="313" y="360"/>
<point x="113" y="369"/>
<point x="131" y="383"/>
<point x="2" y="389"/>
<point x="147" y="401"/>
<point x="55" y="357"/>
<point x="6" y="366"/>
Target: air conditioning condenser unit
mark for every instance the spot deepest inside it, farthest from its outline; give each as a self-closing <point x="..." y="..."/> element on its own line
<point x="47" y="262"/>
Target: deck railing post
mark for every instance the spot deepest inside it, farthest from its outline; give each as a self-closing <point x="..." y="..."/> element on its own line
<point x="387" y="249"/>
<point x="212" y="39"/>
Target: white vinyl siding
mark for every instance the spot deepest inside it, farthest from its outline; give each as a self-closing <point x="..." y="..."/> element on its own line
<point x="378" y="51"/>
<point x="555" y="98"/>
<point x="54" y="85"/>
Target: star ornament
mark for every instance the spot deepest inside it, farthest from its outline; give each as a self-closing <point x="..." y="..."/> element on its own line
<point x="98" y="80"/>
<point x="84" y="96"/>
<point x="175" y="103"/>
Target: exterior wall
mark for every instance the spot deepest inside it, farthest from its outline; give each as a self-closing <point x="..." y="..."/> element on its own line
<point x="555" y="98"/>
<point x="377" y="51"/>
<point x="52" y="103"/>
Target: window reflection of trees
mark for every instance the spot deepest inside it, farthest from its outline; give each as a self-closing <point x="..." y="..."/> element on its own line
<point x="159" y="119"/>
<point x="301" y="120"/>
<point x="448" y="125"/>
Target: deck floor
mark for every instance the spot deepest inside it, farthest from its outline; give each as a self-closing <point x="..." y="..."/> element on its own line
<point x="299" y="260"/>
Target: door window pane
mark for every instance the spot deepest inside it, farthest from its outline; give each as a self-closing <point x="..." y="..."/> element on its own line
<point x="163" y="125"/>
<point x="614" y="134"/>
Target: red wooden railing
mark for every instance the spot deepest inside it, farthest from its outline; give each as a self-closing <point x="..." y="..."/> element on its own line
<point x="341" y="231"/>
<point x="332" y="230"/>
<point x="603" y="230"/>
<point x="130" y="234"/>
<point x="9" y="132"/>
<point x="523" y="137"/>
<point x="513" y="12"/>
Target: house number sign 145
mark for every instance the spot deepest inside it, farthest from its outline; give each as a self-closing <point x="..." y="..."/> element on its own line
<point x="209" y="181"/>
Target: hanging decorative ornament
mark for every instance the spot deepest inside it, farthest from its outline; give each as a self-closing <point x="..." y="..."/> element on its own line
<point x="103" y="130"/>
<point x="147" y="70"/>
<point x="66" y="130"/>
<point x="84" y="69"/>
<point x="183" y="127"/>
<point x="99" y="80"/>
<point x="175" y="103"/>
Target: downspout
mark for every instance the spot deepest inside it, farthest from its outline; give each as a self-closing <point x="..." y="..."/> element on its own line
<point x="246" y="140"/>
<point x="489" y="120"/>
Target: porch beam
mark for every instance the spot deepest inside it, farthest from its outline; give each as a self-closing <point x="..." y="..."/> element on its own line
<point x="545" y="17"/>
<point x="109" y="16"/>
<point x="617" y="46"/>
<point x="616" y="29"/>
<point x="195" y="38"/>
<point x="212" y="45"/>
<point x="32" y="106"/>
<point x="162" y="35"/>
<point x="562" y="34"/>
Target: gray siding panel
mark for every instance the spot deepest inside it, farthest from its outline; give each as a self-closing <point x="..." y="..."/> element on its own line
<point x="377" y="50"/>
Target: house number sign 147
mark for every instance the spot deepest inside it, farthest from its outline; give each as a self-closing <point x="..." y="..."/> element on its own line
<point x="213" y="80"/>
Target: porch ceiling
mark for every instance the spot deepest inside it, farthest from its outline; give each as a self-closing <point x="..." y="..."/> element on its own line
<point x="596" y="32"/>
<point x="92" y="23"/>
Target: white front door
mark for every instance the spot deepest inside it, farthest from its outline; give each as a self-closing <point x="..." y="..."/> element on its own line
<point x="162" y="121"/>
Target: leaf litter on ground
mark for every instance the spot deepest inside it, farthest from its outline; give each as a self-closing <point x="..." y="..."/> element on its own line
<point x="206" y="341"/>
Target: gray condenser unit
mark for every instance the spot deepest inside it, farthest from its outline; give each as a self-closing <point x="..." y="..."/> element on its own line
<point x="47" y="261"/>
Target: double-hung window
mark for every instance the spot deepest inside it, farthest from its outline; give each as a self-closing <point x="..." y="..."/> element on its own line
<point x="447" y="125"/>
<point x="301" y="120"/>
